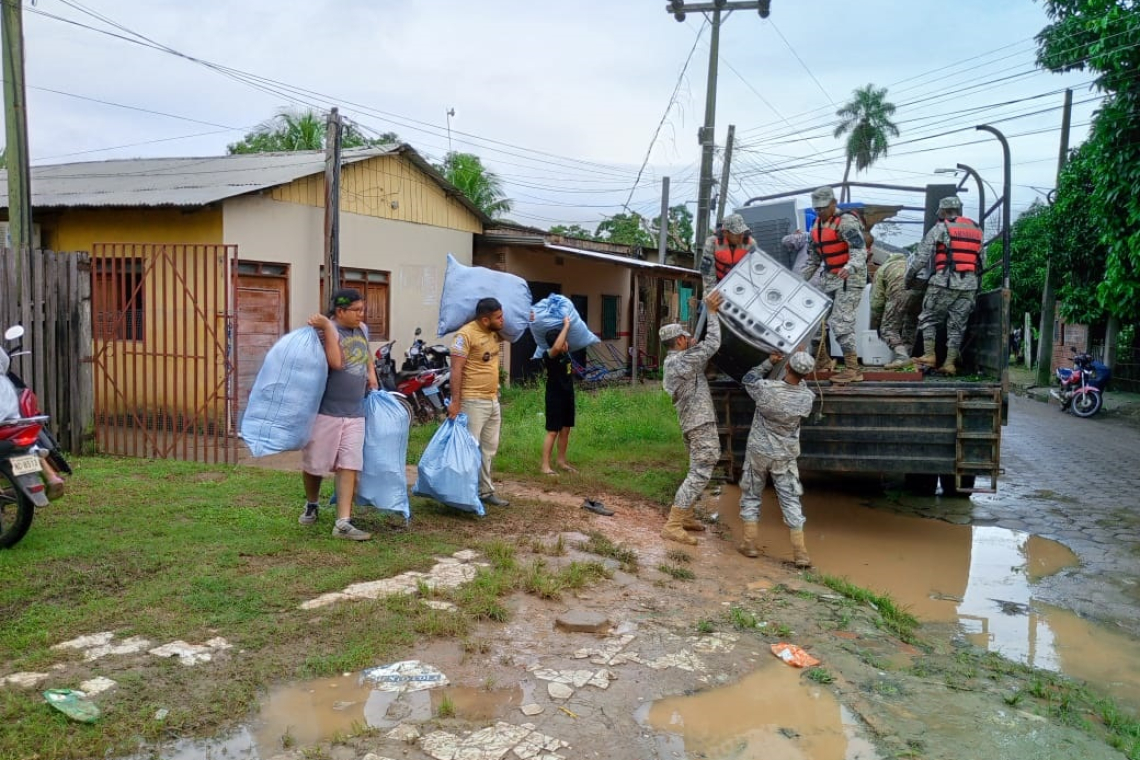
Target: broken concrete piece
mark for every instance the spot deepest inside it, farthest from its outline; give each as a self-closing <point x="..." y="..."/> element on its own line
<point x="408" y="675"/>
<point x="437" y="604"/>
<point x="405" y="732"/>
<point x="466" y="555"/>
<point x="324" y="600"/>
<point x="559" y="690"/>
<point x="133" y="645"/>
<point x="448" y="572"/>
<point x="714" y="642"/>
<point x="583" y="621"/>
<point x="25" y="680"/>
<point x="87" y="642"/>
<point x="97" y="685"/>
<point x="191" y="654"/>
<point x="532" y="709"/>
<point x="374" y="756"/>
<point x="494" y="743"/>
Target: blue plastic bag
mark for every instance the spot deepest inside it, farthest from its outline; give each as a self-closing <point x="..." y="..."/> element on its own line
<point x="463" y="286"/>
<point x="548" y="315"/>
<point x="286" y="395"/>
<point x="449" y="469"/>
<point x="383" y="482"/>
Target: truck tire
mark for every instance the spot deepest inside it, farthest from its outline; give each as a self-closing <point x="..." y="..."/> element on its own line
<point x="921" y="484"/>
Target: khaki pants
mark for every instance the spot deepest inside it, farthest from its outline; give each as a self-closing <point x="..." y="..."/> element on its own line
<point x="484" y="421"/>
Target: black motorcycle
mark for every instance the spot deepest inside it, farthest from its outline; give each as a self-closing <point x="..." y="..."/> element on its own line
<point x="421" y="356"/>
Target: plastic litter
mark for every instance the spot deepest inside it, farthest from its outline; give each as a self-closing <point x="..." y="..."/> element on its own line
<point x="448" y="471"/>
<point x="463" y="286"/>
<point x="286" y="394"/>
<point x="793" y="655"/>
<point x="407" y="675"/>
<point x="74" y="704"/>
<point x="548" y="315"/>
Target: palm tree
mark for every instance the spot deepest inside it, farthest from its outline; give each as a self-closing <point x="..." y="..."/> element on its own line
<point x="866" y="120"/>
<point x="481" y="186"/>
<point x="303" y="130"/>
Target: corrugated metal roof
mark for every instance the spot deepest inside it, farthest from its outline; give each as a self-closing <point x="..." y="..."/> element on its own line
<point x="195" y="181"/>
<point x="625" y="261"/>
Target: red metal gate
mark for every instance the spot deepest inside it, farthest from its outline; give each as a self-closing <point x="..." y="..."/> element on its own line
<point x="163" y="318"/>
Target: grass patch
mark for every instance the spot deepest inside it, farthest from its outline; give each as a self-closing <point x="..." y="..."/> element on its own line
<point x="446" y="707"/>
<point x="741" y="619"/>
<point x="893" y="616"/>
<point x="677" y="572"/>
<point x="819" y="675"/>
<point x="705" y="626"/>
<point x="604" y="547"/>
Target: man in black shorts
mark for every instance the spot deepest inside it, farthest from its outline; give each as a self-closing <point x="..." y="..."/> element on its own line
<point x="559" y="398"/>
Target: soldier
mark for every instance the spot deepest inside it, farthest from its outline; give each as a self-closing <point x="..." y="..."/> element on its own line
<point x="773" y="447"/>
<point x="895" y="308"/>
<point x="731" y="243"/>
<point x="838" y="245"/>
<point x="952" y="253"/>
<point x="684" y="381"/>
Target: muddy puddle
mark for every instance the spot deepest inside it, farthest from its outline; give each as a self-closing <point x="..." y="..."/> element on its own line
<point x="981" y="577"/>
<point x="770" y="714"/>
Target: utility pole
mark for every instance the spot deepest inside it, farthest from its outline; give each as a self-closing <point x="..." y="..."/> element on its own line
<point x="332" y="205"/>
<point x="714" y="11"/>
<point x="16" y="128"/>
<point x="663" y="231"/>
<point x="724" y="175"/>
<point x="1049" y="295"/>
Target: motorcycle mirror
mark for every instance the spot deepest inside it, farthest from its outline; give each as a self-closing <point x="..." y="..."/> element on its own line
<point x="418" y="332"/>
<point x="13" y="332"/>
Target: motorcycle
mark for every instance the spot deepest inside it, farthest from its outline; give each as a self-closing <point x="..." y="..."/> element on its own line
<point x="386" y="367"/>
<point x="47" y="441"/>
<point x="421" y="356"/>
<point x="22" y="488"/>
<point x="422" y="390"/>
<point x="1082" y="385"/>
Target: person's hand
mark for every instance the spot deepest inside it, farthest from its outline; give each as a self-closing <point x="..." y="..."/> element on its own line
<point x="713" y="301"/>
<point x="319" y="321"/>
<point x="843" y="274"/>
<point x="453" y="409"/>
<point x="373" y="385"/>
<point x="566" y="321"/>
<point x="775" y="358"/>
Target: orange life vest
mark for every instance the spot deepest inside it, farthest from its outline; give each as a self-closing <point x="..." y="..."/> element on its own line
<point x="964" y="253"/>
<point x="829" y="243"/>
<point x="726" y="258"/>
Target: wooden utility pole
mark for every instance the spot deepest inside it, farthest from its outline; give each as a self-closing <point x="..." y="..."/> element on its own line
<point x="332" y="205"/>
<point x="1049" y="295"/>
<point x="663" y="228"/>
<point x="16" y="128"/>
<point x="724" y="175"/>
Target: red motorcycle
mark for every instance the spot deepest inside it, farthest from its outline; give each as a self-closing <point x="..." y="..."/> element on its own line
<point x="22" y="487"/>
<point x="1082" y="386"/>
<point x="421" y="391"/>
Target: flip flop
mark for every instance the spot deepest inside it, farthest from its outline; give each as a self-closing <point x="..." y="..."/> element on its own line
<point x="597" y="508"/>
<point x="548" y="472"/>
<point x="568" y="468"/>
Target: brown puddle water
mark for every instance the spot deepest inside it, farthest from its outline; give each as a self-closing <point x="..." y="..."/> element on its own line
<point x="982" y="577"/>
<point x="770" y="714"/>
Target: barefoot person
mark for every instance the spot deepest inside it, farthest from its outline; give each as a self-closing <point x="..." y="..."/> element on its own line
<point x="685" y="383"/>
<point x="559" y="398"/>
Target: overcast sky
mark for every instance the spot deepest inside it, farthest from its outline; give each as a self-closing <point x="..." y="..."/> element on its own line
<point x="562" y="99"/>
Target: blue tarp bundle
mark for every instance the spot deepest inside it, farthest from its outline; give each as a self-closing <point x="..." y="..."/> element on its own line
<point x="286" y="394"/>
<point x="463" y="286"/>
<point x="548" y="315"/>
<point x="449" y="468"/>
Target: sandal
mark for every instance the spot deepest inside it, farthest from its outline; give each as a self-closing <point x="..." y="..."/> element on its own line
<point x="597" y="508"/>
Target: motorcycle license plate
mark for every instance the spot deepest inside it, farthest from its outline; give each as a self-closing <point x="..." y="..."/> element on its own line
<point x="25" y="465"/>
<point x="431" y="390"/>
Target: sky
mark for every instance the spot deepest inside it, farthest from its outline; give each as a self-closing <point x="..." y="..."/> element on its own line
<point x="580" y="107"/>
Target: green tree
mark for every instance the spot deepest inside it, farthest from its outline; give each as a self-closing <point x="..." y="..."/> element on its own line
<point x="1078" y="250"/>
<point x="1031" y="244"/>
<point x="1103" y="36"/>
<point x="680" y="230"/>
<point x="866" y="120"/>
<point x="573" y="230"/>
<point x="293" y="130"/>
<point x="626" y="229"/>
<point x="481" y="185"/>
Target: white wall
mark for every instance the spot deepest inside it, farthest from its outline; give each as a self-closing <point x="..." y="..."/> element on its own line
<point x="415" y="255"/>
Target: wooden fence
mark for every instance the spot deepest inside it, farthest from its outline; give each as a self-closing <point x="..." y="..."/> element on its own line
<point x="51" y="297"/>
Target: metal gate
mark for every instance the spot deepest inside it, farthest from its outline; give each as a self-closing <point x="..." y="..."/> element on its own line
<point x="163" y="318"/>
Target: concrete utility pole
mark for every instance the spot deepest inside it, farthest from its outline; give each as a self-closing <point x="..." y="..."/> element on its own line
<point x="1049" y="295"/>
<point x="16" y="128"/>
<point x="724" y="171"/>
<point x="332" y="205"/>
<point x="663" y="228"/>
<point x="705" y="136"/>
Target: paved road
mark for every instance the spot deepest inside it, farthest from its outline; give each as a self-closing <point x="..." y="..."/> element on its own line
<point x="1075" y="481"/>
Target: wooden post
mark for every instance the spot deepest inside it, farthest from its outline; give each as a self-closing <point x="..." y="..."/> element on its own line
<point x="16" y="128"/>
<point x="724" y="174"/>
<point x="633" y="331"/>
<point x="332" y="207"/>
<point x="1027" y="342"/>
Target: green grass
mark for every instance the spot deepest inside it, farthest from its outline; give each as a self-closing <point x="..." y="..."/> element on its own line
<point x="604" y="547"/>
<point x="819" y="675"/>
<point x="677" y="572"/>
<point x="893" y="616"/>
<point x="625" y="440"/>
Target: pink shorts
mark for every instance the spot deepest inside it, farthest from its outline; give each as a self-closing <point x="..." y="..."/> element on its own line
<point x="337" y="443"/>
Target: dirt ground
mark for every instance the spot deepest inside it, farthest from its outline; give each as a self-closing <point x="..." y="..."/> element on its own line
<point x="684" y="667"/>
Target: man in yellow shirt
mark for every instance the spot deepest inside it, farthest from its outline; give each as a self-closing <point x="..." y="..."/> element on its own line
<point x="475" y="387"/>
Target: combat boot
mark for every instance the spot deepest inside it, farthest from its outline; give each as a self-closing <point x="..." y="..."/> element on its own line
<point x="948" y="367"/>
<point x="850" y="373"/>
<point x="691" y="522"/>
<point x="902" y="359"/>
<point x="674" y="529"/>
<point x="747" y="545"/>
<point x="825" y="364"/>
<point x="928" y="358"/>
<point x="799" y="549"/>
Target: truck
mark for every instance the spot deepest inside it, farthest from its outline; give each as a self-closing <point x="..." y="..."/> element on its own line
<point x="924" y="428"/>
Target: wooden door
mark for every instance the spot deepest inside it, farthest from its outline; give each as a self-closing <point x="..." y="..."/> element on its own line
<point x="262" y="309"/>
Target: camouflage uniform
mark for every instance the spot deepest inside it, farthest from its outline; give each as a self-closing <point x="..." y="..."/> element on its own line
<point x="708" y="261"/>
<point x="949" y="294"/>
<point x="774" y="445"/>
<point x="845" y="294"/>
<point x="685" y="382"/>
<point x="894" y="308"/>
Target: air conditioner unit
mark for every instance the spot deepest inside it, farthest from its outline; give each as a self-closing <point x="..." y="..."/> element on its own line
<point x="37" y="240"/>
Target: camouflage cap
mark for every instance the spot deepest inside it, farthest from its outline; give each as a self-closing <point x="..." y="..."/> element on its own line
<point x="671" y="331"/>
<point x="801" y="363"/>
<point x="822" y="197"/>
<point x="734" y="223"/>
<point x="949" y="203"/>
